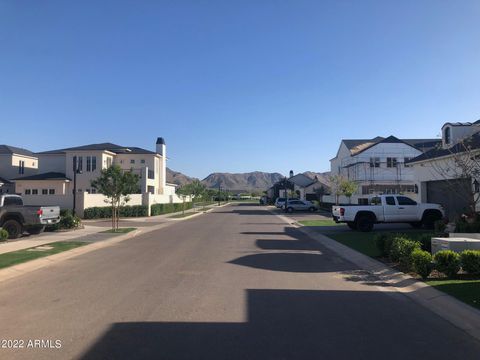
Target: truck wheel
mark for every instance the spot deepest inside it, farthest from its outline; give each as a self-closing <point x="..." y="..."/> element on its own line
<point x="429" y="219"/>
<point x="352" y="225"/>
<point x="14" y="229"/>
<point x="35" y="230"/>
<point x="364" y="223"/>
<point x="312" y="209"/>
<point x="290" y="210"/>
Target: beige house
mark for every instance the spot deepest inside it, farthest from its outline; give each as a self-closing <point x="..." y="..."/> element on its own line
<point x="55" y="181"/>
<point x="14" y="163"/>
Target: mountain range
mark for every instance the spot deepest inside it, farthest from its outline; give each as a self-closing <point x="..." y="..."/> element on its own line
<point x="251" y="181"/>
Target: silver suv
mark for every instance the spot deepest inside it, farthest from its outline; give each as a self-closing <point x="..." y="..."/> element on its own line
<point x="300" y="205"/>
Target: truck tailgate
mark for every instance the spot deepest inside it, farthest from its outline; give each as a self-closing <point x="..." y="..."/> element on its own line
<point x="50" y="212"/>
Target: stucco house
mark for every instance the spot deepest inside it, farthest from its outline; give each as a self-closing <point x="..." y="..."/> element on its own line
<point x="54" y="181"/>
<point x="301" y="184"/>
<point x="449" y="174"/>
<point x="379" y="165"/>
<point x="15" y="162"/>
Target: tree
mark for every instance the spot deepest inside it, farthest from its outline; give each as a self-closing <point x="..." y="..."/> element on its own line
<point x="196" y="190"/>
<point x="116" y="184"/>
<point x="336" y="181"/>
<point x="320" y="192"/>
<point x="348" y="188"/>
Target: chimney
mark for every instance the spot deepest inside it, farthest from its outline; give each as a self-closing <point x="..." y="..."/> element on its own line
<point x="161" y="147"/>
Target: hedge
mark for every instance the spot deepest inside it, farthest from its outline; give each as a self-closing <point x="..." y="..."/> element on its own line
<point x="470" y="260"/>
<point x="102" y="212"/>
<point x="159" y="209"/>
<point x="447" y="262"/>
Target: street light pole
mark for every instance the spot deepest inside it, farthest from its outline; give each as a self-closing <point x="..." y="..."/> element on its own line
<point x="75" y="172"/>
<point x="286" y="194"/>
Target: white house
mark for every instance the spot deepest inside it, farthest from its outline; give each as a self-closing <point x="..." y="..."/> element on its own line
<point x="379" y="165"/>
<point x="54" y="182"/>
<point x="15" y="162"/>
<point x="450" y="174"/>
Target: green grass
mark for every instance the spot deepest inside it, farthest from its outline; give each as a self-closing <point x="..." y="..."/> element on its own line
<point x="359" y="241"/>
<point x="21" y="256"/>
<point x="319" y="223"/>
<point x="467" y="291"/>
<point x="118" y="231"/>
<point x="364" y="241"/>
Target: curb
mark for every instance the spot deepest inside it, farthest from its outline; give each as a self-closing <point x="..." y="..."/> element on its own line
<point x="456" y="312"/>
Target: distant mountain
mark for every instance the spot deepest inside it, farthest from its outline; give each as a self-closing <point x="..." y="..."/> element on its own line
<point x="252" y="181"/>
<point x="175" y="177"/>
<point x="242" y="182"/>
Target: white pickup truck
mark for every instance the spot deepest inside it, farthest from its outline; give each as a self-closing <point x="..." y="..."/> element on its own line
<point x="388" y="209"/>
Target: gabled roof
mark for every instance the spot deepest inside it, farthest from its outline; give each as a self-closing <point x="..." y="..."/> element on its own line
<point x="7" y="149"/>
<point x="117" y="149"/>
<point x="357" y="146"/>
<point x="45" y="176"/>
<point x="473" y="143"/>
<point x="462" y="123"/>
<point x="301" y="180"/>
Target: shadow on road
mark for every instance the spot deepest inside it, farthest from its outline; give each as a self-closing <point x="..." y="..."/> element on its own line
<point x="296" y="324"/>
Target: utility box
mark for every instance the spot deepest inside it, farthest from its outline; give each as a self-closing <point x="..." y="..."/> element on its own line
<point x="457" y="244"/>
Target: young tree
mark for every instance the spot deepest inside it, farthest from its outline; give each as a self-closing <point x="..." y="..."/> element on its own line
<point x="320" y="192"/>
<point x="116" y="185"/>
<point x="348" y="188"/>
<point x="196" y="190"/>
<point x="336" y="181"/>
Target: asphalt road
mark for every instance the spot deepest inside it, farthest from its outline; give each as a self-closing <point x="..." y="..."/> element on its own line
<point x="237" y="283"/>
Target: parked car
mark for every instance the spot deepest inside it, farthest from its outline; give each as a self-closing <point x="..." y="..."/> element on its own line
<point x="16" y="218"/>
<point x="280" y="202"/>
<point x="388" y="209"/>
<point x="300" y="205"/>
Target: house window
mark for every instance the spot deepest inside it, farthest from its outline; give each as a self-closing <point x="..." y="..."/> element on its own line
<point x="132" y="161"/>
<point x="391" y="162"/>
<point x="28" y="191"/>
<point x="375" y="162"/>
<point x="109" y="162"/>
<point x="94" y="163"/>
<point x="51" y="191"/>
<point x="405" y="160"/>
<point x="34" y="191"/>
<point x="21" y="167"/>
<point x="142" y="161"/>
<point x="44" y="191"/>
<point x="80" y="163"/>
<point x="93" y="191"/>
<point x="447" y="135"/>
<point x="89" y="163"/>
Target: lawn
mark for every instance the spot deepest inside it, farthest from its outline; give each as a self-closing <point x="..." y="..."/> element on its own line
<point x="467" y="291"/>
<point x="118" y="231"/>
<point x="319" y="223"/>
<point x="21" y="256"/>
<point x="359" y="241"/>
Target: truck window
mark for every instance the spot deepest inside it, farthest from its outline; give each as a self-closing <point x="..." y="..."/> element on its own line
<point x="403" y="200"/>
<point x="12" y="200"/>
<point x="390" y="200"/>
<point x="376" y="201"/>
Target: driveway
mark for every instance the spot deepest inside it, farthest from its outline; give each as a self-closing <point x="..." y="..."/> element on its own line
<point x="236" y="283"/>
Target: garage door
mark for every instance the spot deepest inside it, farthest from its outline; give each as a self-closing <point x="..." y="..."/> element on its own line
<point x="454" y="195"/>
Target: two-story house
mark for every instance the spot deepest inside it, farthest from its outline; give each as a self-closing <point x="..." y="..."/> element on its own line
<point x="450" y="174"/>
<point x="379" y="165"/>
<point x="14" y="163"/>
<point x="57" y="168"/>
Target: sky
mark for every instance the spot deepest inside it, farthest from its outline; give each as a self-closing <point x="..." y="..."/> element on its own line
<point x="235" y="86"/>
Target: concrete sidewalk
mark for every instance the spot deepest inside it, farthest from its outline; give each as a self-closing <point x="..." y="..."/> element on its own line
<point x="48" y="237"/>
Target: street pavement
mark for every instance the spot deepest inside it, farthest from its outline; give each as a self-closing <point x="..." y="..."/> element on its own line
<point x="235" y="283"/>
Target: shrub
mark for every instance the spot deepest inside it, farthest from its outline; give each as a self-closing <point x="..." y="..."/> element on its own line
<point x="426" y="242"/>
<point x="470" y="260"/>
<point x="447" y="262"/>
<point x="401" y="250"/>
<point x="421" y="262"/>
<point x="159" y="209"/>
<point x="462" y="225"/>
<point x="3" y="234"/>
<point x="102" y="212"/>
<point x="383" y="241"/>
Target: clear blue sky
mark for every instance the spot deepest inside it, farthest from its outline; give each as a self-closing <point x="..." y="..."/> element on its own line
<point x="235" y="85"/>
